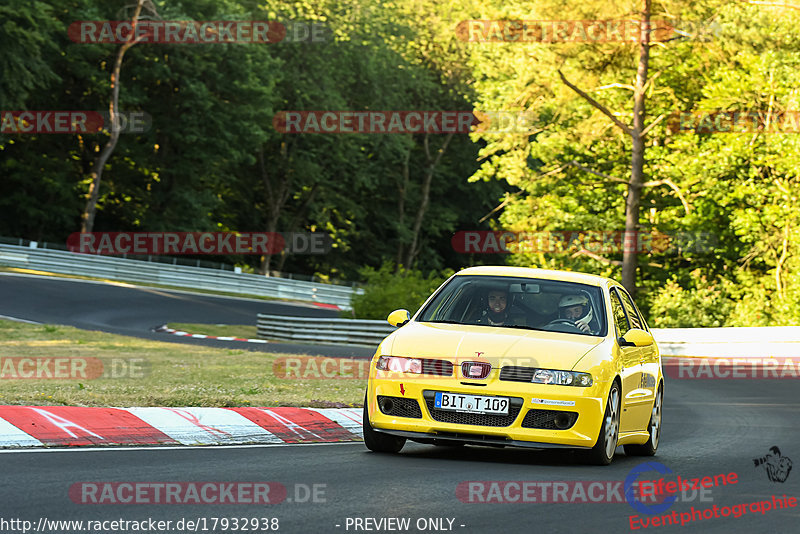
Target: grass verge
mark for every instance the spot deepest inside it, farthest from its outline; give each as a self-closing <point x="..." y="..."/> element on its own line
<point x="164" y="374"/>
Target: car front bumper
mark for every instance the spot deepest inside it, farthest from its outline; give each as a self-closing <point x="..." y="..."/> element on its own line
<point x="532" y="405"/>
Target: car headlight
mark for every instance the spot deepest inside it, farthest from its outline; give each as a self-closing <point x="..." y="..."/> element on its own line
<point x="399" y="364"/>
<point x="561" y="378"/>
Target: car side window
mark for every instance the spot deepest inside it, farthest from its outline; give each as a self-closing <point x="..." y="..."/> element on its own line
<point x="633" y="316"/>
<point x="641" y="316"/>
<point x="620" y="320"/>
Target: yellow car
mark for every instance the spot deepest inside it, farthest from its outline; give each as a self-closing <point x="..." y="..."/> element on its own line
<point x="510" y="356"/>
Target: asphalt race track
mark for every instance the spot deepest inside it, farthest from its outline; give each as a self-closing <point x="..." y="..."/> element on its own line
<point x="135" y="311"/>
<point x="711" y="428"/>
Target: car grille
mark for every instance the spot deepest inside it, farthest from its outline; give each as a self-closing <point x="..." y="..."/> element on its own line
<point x="446" y="416"/>
<point x="515" y="373"/>
<point x="475" y="370"/>
<point x="437" y="367"/>
<point x="546" y="419"/>
<point x="400" y="407"/>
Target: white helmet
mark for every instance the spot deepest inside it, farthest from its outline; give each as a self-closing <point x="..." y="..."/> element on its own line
<point x="568" y="301"/>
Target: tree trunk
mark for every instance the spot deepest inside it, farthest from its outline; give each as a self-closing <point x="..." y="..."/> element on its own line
<point x="266" y="259"/>
<point x="633" y="200"/>
<point x="276" y="197"/>
<point x="402" y="191"/>
<point x="89" y="211"/>
<point x="412" y="251"/>
<point x="299" y="215"/>
<point x="637" y="132"/>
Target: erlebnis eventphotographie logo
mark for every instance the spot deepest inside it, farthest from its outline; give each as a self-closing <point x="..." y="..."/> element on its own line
<point x="777" y="466"/>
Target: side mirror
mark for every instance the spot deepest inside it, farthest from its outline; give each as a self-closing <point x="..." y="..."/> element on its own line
<point x="399" y="317"/>
<point x="636" y="337"/>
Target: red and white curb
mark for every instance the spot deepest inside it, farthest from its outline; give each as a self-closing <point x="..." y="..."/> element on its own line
<point x="172" y="331"/>
<point x="59" y="426"/>
<point x="327" y="306"/>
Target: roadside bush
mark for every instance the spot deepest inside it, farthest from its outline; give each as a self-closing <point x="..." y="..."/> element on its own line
<point x="386" y="290"/>
<point x="760" y="304"/>
<point x="706" y="305"/>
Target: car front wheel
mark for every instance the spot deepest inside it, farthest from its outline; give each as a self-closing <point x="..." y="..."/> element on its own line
<point x="378" y="441"/>
<point x="603" y="451"/>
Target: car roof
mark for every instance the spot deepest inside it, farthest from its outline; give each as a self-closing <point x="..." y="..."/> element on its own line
<point x="545" y="274"/>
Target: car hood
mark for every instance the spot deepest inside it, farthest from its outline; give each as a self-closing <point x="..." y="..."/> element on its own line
<point x="496" y="345"/>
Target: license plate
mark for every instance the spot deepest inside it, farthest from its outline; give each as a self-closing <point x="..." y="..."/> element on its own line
<point x="458" y="402"/>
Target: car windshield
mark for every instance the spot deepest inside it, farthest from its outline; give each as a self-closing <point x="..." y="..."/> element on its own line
<point x="511" y="302"/>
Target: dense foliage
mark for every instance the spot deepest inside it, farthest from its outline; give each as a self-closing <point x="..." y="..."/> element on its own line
<point x="213" y="160"/>
<point x="387" y="289"/>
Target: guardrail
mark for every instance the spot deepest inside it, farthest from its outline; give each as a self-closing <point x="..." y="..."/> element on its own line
<point x="361" y="332"/>
<point x="760" y="341"/>
<point x="112" y="268"/>
<point x="710" y="342"/>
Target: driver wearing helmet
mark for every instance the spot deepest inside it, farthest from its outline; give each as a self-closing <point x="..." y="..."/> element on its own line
<point x="576" y="308"/>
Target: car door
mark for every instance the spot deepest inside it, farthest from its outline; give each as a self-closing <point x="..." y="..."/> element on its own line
<point x="631" y="367"/>
<point x="640" y="398"/>
<point x="649" y="355"/>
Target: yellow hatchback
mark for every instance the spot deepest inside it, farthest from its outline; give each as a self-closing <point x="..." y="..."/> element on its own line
<point x="509" y="356"/>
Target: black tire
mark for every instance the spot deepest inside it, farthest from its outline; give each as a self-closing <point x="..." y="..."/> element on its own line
<point x="653" y="427"/>
<point x="378" y="441"/>
<point x="603" y="451"/>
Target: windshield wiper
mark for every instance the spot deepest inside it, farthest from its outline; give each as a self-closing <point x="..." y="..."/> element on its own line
<point x="520" y="326"/>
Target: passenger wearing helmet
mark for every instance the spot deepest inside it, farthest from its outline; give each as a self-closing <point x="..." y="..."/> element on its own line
<point x="576" y="308"/>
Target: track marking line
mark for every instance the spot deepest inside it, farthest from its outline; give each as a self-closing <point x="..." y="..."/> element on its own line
<point x="17" y="319"/>
<point x="178" y="447"/>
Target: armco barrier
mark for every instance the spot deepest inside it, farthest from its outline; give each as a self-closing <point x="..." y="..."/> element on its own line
<point x="761" y="341"/>
<point x="708" y="342"/>
<point x="360" y="332"/>
<point x="112" y="268"/>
